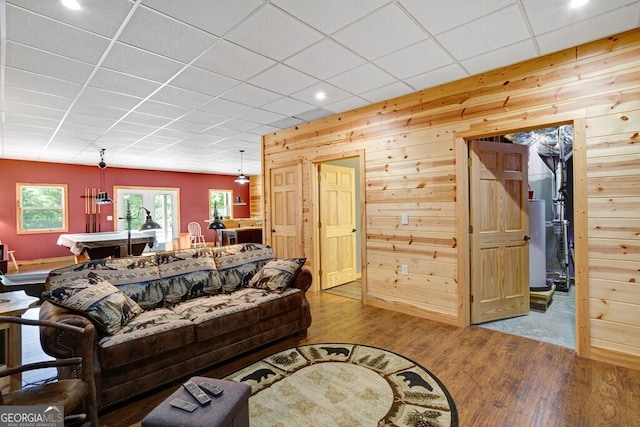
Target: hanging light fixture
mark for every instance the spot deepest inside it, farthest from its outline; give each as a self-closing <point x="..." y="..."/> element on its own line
<point x="239" y="201"/>
<point x="102" y="198"/>
<point x="241" y="179"/>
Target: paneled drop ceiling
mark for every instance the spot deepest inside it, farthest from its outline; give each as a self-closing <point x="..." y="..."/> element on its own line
<point x="185" y="84"/>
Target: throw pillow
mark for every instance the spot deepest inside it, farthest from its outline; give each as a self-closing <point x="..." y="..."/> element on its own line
<point x="277" y="274"/>
<point x="98" y="299"/>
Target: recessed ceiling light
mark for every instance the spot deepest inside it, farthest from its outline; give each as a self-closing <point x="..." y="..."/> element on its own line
<point x="577" y="3"/>
<point x="320" y="95"/>
<point x="71" y="4"/>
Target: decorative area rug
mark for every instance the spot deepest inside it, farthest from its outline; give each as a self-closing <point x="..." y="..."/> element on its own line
<point x="344" y="385"/>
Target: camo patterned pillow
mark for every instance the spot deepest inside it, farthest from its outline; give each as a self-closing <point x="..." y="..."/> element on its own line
<point x="98" y="299"/>
<point x="237" y="264"/>
<point x="276" y="275"/>
<point x="188" y="273"/>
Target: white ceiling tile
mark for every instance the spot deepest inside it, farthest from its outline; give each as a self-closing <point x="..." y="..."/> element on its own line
<point x="500" y="57"/>
<point x="250" y="95"/>
<point x="232" y="60"/>
<point x="204" y="117"/>
<point x="180" y="97"/>
<point x="325" y="59"/>
<point x="362" y="79"/>
<point x="346" y="104"/>
<point x="42" y="122"/>
<point x="382" y="32"/>
<point x="147" y="119"/>
<point x="387" y="92"/>
<point x="316" y="113"/>
<point x="221" y="132"/>
<point x="415" y="59"/>
<point x="598" y="27"/>
<point x="282" y="79"/>
<point x="333" y="94"/>
<point x="32" y="110"/>
<point x="287" y="106"/>
<point x="437" y="77"/>
<point x="438" y="16"/>
<point x="99" y="110"/>
<point x="286" y="123"/>
<point x="36" y="98"/>
<point x="137" y="62"/>
<point x="122" y="83"/>
<point x="161" y="109"/>
<point x="40" y="62"/>
<point x="265" y="129"/>
<point x="225" y="107"/>
<point x="89" y="120"/>
<point x="329" y="15"/>
<point x="273" y="33"/>
<point x="46" y="34"/>
<point x="40" y="83"/>
<point x="99" y="16"/>
<point x="204" y="82"/>
<point x="188" y="126"/>
<point x="109" y="98"/>
<point x="262" y="116"/>
<point x="167" y="37"/>
<point x="216" y="20"/>
<point x="550" y="15"/>
<point x="238" y="125"/>
<point x="482" y="36"/>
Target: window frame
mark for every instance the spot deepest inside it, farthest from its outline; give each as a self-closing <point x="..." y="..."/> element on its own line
<point x="20" y="210"/>
<point x="229" y="206"/>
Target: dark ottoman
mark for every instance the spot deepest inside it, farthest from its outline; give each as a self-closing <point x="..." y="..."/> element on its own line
<point x="230" y="409"/>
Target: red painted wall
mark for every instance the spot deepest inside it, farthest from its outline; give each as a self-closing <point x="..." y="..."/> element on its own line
<point x="194" y="199"/>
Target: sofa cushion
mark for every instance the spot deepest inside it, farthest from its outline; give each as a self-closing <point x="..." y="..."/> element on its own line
<point x="151" y="333"/>
<point x="135" y="276"/>
<point x="188" y="273"/>
<point x="237" y="264"/>
<point x="277" y="274"/>
<point x="98" y="299"/>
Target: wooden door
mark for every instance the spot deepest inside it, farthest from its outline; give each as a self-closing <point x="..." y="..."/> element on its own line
<point x="285" y="208"/>
<point x="337" y="225"/>
<point x="499" y="228"/>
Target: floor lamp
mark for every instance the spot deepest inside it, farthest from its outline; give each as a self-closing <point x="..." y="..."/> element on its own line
<point x="149" y="224"/>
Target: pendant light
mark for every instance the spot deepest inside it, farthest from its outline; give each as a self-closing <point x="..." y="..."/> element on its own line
<point x="241" y="179"/>
<point x="102" y="198"/>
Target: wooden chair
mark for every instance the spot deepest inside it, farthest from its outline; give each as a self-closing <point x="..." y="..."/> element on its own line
<point x="197" y="238"/>
<point x="11" y="254"/>
<point x="77" y="396"/>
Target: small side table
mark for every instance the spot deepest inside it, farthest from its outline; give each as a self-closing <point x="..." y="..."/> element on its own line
<point x="14" y="304"/>
<point x="230" y="409"/>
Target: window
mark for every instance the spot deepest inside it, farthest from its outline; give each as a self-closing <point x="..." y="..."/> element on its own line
<point x="222" y="199"/>
<point x="42" y="208"/>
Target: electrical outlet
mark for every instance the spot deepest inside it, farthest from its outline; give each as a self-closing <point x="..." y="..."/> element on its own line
<point x="405" y="219"/>
<point x="405" y="270"/>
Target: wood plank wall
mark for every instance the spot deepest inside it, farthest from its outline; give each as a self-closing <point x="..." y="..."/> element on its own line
<point x="414" y="162"/>
<point x="255" y="192"/>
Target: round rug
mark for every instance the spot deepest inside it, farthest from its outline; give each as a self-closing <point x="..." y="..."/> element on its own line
<point x="344" y="385"/>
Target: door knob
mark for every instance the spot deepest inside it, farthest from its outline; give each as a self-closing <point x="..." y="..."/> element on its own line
<point x="273" y="230"/>
<point x="526" y="238"/>
<point x="353" y="231"/>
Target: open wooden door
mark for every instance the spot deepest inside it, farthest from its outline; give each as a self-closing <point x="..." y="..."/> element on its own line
<point x="499" y="230"/>
<point x="337" y="225"/>
<point x="285" y="208"/>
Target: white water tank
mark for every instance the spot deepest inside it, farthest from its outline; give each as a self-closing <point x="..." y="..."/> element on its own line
<point x="537" y="245"/>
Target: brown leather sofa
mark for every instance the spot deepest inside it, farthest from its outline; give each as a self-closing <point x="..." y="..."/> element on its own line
<point x="175" y="332"/>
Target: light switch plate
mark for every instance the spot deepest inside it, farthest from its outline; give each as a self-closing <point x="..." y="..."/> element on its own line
<point x="405" y="219"/>
<point x="405" y="270"/>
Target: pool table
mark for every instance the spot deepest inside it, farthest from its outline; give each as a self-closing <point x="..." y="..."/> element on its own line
<point x="103" y="245"/>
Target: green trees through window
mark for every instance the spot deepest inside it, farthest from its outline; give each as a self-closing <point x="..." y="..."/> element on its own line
<point x="42" y="208"/>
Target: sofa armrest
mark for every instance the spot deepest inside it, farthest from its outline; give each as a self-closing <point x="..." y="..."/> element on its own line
<point x="303" y="280"/>
<point x="57" y="343"/>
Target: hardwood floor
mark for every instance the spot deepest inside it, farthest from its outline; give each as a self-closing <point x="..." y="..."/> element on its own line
<point x="496" y="379"/>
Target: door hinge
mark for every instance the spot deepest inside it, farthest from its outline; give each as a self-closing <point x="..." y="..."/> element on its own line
<point x="471" y="298"/>
<point x="471" y="229"/>
<point x="319" y="272"/>
<point x="469" y="161"/>
<point x="319" y="224"/>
